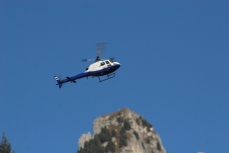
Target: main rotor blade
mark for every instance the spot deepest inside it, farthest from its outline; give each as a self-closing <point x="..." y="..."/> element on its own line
<point x="85" y="60"/>
<point x="100" y="47"/>
<point x="111" y="59"/>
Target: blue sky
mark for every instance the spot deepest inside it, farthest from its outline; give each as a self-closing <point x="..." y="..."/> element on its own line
<point x="174" y="71"/>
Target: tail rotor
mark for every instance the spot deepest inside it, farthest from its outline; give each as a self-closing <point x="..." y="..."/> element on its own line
<point x="58" y="81"/>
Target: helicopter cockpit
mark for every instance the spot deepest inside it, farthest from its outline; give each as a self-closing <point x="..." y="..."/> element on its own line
<point x="100" y="64"/>
<point x="108" y="63"/>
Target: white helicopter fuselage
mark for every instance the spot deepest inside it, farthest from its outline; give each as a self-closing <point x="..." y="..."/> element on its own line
<point x="100" y="65"/>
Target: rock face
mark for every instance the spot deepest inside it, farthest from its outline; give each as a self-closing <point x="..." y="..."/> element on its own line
<point x="84" y="138"/>
<point x="121" y="132"/>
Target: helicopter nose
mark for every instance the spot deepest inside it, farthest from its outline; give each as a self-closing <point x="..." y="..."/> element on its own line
<point x="117" y="64"/>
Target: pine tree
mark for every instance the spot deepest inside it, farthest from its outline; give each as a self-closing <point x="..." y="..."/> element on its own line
<point x="5" y="146"/>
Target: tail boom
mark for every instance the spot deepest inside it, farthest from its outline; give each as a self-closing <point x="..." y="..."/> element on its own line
<point x="70" y="79"/>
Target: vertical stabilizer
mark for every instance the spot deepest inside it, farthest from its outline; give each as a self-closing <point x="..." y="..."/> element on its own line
<point x="58" y="81"/>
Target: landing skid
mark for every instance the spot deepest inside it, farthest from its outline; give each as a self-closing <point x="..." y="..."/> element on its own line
<point x="109" y="76"/>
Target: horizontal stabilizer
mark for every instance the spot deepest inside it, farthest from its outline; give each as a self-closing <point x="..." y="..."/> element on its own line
<point x="69" y="79"/>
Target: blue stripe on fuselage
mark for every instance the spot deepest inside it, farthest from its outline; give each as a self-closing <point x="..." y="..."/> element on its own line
<point x="102" y="72"/>
<point x="78" y="76"/>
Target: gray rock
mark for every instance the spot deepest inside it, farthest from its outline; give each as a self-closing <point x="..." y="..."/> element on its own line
<point x="148" y="140"/>
<point x="84" y="138"/>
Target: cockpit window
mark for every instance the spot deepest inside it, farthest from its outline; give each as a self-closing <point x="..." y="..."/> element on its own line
<point x="102" y="64"/>
<point x="107" y="62"/>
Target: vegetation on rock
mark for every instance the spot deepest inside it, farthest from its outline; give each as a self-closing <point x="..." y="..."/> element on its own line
<point x="158" y="146"/>
<point x="143" y="146"/>
<point x="138" y="121"/>
<point x="119" y="119"/>
<point x="110" y="147"/>
<point x="148" y="140"/>
<point x="95" y="145"/>
<point x="127" y="125"/>
<point x="113" y="133"/>
<point x="122" y="131"/>
<point x="144" y="123"/>
<point x="136" y="135"/>
<point x="123" y="141"/>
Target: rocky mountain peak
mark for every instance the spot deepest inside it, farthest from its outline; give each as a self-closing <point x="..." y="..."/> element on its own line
<point x="123" y="131"/>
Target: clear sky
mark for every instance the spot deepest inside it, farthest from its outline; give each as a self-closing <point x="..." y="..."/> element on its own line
<point x="174" y="71"/>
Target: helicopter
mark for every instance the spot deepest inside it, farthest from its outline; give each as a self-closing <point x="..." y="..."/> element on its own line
<point x="100" y="67"/>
